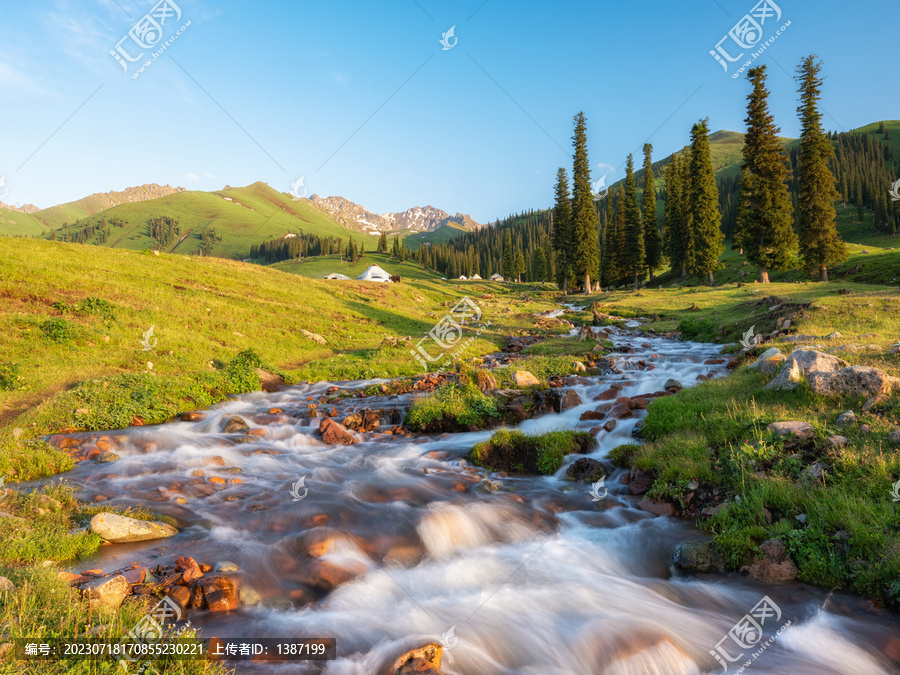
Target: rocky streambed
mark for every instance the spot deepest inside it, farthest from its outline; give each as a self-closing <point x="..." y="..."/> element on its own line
<point x="304" y="513"/>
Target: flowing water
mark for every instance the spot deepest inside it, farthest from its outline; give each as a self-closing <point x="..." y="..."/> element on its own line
<point x="398" y="543"/>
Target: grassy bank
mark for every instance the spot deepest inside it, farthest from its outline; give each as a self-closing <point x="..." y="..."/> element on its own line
<point x="830" y="504"/>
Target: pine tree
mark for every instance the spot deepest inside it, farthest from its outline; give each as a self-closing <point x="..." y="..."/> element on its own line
<point x="820" y="244"/>
<point x="765" y="214"/>
<point x="538" y="265"/>
<point x="395" y="250"/>
<point x="519" y="265"/>
<point x="633" y="259"/>
<point x="562" y="230"/>
<point x="652" y="239"/>
<point x="509" y="261"/>
<point x="586" y="261"/>
<point x="609" y="272"/>
<point x="382" y="243"/>
<point x="619" y="246"/>
<point x="704" y="220"/>
<point x="677" y="236"/>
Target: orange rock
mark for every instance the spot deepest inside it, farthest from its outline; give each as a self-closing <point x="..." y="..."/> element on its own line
<point x="137" y="421"/>
<point x="216" y="479"/>
<point x="135" y="576"/>
<point x="256" y="432"/>
<point x="235" y="481"/>
<point x="215" y="461"/>
<point x="219" y="593"/>
<point x="205" y="568"/>
<point x="180" y="594"/>
<point x="93" y="573"/>
<point x="104" y="445"/>
<point x="275" y="411"/>
<point x="71" y="577"/>
<point x="197" y="472"/>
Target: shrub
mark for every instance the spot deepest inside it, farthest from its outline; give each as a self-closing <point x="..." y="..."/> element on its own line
<point x="9" y="376"/>
<point x="466" y="404"/>
<point x="698" y="330"/>
<point x="96" y="307"/>
<point x="58" y="330"/>
<point x="240" y="373"/>
<point x="513" y="450"/>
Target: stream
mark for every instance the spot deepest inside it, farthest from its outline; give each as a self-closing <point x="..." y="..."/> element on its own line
<point x="412" y="546"/>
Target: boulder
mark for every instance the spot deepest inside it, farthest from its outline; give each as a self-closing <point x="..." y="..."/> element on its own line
<point x="805" y="364"/>
<point x="522" y="378"/>
<point x="673" y="385"/>
<point x="425" y="660"/>
<point x="640" y="482"/>
<point x="656" y="508"/>
<point x="894" y="437"/>
<point x="698" y="555"/>
<point x="118" y="529"/>
<point x="106" y="592"/>
<point x="587" y="470"/>
<point x="334" y="434"/>
<point x="769" y="361"/>
<point x="774" y="565"/>
<point x="861" y="381"/>
<point x="846" y="419"/>
<point x="796" y="430"/>
<point x="314" y="337"/>
<point x="235" y="425"/>
<point x="220" y="594"/>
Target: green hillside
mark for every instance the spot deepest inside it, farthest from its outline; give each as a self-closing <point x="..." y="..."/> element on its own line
<point x="441" y="235"/>
<point x="240" y="218"/>
<point x="15" y="224"/>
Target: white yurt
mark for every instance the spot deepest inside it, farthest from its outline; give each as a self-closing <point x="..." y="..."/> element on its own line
<point x="374" y="273"/>
<point x="335" y="275"/>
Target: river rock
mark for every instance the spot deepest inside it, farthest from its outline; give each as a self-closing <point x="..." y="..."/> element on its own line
<point x="363" y="420"/>
<point x="656" y="508"/>
<point x="620" y="411"/>
<point x="805" y="364"/>
<point x="846" y="419"/>
<point x="220" y="594"/>
<point x="118" y="529"/>
<point x="640" y="482"/>
<point x="774" y="565"/>
<point x="522" y="378"/>
<point x="334" y="434"/>
<point x="425" y="660"/>
<point x="673" y="385"/>
<point x="235" y="425"/>
<point x="587" y="470"/>
<point x="799" y="430"/>
<point x="105" y="457"/>
<point x="769" y="361"/>
<point x="226" y="566"/>
<point x="698" y="555"/>
<point x="106" y="592"/>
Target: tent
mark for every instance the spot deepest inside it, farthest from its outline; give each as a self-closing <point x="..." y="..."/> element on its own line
<point x="475" y="277"/>
<point x="463" y="278"/>
<point x="496" y="277"/>
<point x="374" y="273"/>
<point x="335" y="275"/>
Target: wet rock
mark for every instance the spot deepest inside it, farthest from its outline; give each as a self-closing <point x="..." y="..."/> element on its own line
<point x="235" y="425"/>
<point x="226" y="566"/>
<point x="362" y="421"/>
<point x="609" y="425"/>
<point x="193" y="416"/>
<point x="698" y="555"/>
<point x="769" y="361"/>
<point x="269" y="382"/>
<point x="620" y="411"/>
<point x="775" y="564"/>
<point x="673" y="385"/>
<point x="656" y="508"/>
<point x="135" y="575"/>
<point x="592" y="415"/>
<point x="610" y="394"/>
<point x="220" y="594"/>
<point x="105" y="457"/>
<point x="733" y="363"/>
<point x="334" y="434"/>
<point x="118" y="529"/>
<point x="713" y="362"/>
<point x="587" y="470"/>
<point x="640" y="482"/>
<point x="180" y="594"/>
<point x="846" y="419"/>
<point x="797" y="430"/>
<point x="569" y="399"/>
<point x="522" y="378"/>
<point x="425" y="660"/>
<point x="106" y="592"/>
<point x="190" y="570"/>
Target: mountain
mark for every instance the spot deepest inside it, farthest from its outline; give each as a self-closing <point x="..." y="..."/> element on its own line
<point x="56" y="216"/>
<point x="27" y="208"/>
<point x="416" y="219"/>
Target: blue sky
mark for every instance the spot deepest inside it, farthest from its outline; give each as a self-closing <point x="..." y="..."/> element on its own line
<point x="362" y="100"/>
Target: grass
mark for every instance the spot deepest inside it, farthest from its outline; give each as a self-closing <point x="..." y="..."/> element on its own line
<point x="463" y="404"/>
<point x="320" y="266"/>
<point x="513" y="450"/>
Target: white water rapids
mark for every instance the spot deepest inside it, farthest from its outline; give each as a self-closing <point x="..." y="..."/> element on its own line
<point x="536" y="578"/>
